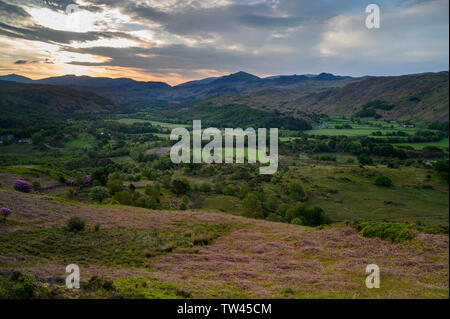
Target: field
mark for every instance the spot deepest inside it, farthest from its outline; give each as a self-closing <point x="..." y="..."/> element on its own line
<point x="222" y="231"/>
<point x="198" y="254"/>
<point x="162" y="124"/>
<point x="444" y="144"/>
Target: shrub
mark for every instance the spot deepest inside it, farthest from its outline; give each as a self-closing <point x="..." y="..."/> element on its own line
<point x="296" y="221"/>
<point x="5" y="213"/>
<point x="87" y="180"/>
<point x="70" y="193"/>
<point x="97" y="283"/>
<point x="22" y="186"/>
<point x="294" y="211"/>
<point x="180" y="186"/>
<point x="274" y="218"/>
<point x="70" y="182"/>
<point x="98" y="193"/>
<point x="36" y="186"/>
<point x="205" y="187"/>
<point x="142" y="202"/>
<point x="151" y="190"/>
<point x="183" y="206"/>
<point x="392" y="232"/>
<point x="123" y="197"/>
<point x="315" y="216"/>
<point x="252" y="206"/>
<point x="383" y="181"/>
<point x="114" y="186"/>
<point x="364" y="159"/>
<point x="296" y="191"/>
<point x="114" y="202"/>
<point x="25" y="288"/>
<point x="75" y="223"/>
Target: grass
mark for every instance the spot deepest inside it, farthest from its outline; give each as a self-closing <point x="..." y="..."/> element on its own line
<point x="155" y="123"/>
<point x="110" y="247"/>
<point x="349" y="194"/>
<point x="83" y="141"/>
<point x="444" y="144"/>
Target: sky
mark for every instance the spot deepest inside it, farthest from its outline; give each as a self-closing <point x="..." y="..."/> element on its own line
<point x="175" y="41"/>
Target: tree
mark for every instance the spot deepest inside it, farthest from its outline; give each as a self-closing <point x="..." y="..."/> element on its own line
<point x="37" y="139"/>
<point x="114" y="185"/>
<point x="296" y="191"/>
<point x="98" y="193"/>
<point x="180" y="186"/>
<point x="383" y="181"/>
<point x="123" y="197"/>
<point x="252" y="206"/>
<point x="364" y="159"/>
<point x="142" y="202"/>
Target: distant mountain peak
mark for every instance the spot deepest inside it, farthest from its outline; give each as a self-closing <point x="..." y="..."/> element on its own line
<point x="15" y="78"/>
<point x="237" y="77"/>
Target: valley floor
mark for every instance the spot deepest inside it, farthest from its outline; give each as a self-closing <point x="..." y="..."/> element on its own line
<point x="200" y="254"/>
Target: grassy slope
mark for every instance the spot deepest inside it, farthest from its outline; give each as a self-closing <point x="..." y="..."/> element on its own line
<point x="157" y="254"/>
<point x="422" y="97"/>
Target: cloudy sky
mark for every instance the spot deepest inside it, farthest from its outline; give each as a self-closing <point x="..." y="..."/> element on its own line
<point x="180" y="40"/>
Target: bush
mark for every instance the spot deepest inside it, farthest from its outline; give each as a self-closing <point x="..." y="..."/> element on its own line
<point x="114" y="202"/>
<point x="123" y="197"/>
<point x="205" y="187"/>
<point x="296" y="191"/>
<point x="5" y="213"/>
<point x="22" y="186"/>
<point x="183" y="206"/>
<point x="364" y="159"/>
<point x="274" y="218"/>
<point x="114" y="186"/>
<point x="252" y="206"/>
<point x="383" y="181"/>
<point x="296" y="221"/>
<point x="98" y="193"/>
<point x="180" y="186"/>
<point x="150" y="190"/>
<point x="71" y="193"/>
<point x="75" y="223"/>
<point x="392" y="232"/>
<point x="25" y="288"/>
<point x="142" y="202"/>
<point x="36" y="186"/>
<point x="315" y="216"/>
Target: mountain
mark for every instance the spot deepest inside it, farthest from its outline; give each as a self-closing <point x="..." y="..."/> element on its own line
<point x="15" y="78"/>
<point x="422" y="97"/>
<point x="26" y="104"/>
<point x="124" y="90"/>
<point x="407" y="97"/>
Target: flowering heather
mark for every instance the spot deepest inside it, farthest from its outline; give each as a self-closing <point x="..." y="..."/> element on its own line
<point x="88" y="180"/>
<point x="22" y="186"/>
<point x="5" y="212"/>
<point x="69" y="182"/>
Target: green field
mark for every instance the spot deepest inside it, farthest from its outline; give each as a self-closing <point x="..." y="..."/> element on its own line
<point x="83" y="141"/>
<point x="162" y="124"/>
<point x="444" y="143"/>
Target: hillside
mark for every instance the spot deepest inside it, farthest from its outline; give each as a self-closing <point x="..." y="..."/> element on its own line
<point x="126" y="90"/>
<point x="422" y="97"/>
<point x="200" y="254"/>
<point x="24" y="103"/>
